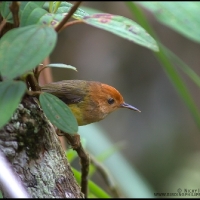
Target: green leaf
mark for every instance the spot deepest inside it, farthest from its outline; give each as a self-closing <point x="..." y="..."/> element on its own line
<point x="179" y="63"/>
<point x="60" y="65"/>
<point x="31" y="14"/>
<point x="39" y="4"/>
<point x="93" y="188"/>
<point x="90" y="11"/>
<point x="65" y="8"/>
<point x="53" y="19"/>
<point x="22" y="49"/>
<point x="11" y="93"/>
<point x="5" y="11"/>
<point x="169" y="68"/>
<point x="53" y="6"/>
<point x="58" y="113"/>
<point x="122" y="27"/>
<point x="182" y="17"/>
<point x="28" y="8"/>
<point x="21" y="8"/>
<point x="36" y="16"/>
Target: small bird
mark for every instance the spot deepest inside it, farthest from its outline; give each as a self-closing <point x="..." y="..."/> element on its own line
<point x="90" y="101"/>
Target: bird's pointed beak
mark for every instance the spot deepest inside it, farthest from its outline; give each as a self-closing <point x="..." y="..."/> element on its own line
<point x="125" y="105"/>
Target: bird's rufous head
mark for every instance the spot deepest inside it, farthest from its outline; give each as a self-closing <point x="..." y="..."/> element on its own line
<point x="110" y="99"/>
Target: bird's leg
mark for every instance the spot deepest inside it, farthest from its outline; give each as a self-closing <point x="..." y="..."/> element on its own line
<point x="75" y="143"/>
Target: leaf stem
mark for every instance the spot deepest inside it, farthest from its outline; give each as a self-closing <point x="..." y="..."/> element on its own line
<point x="72" y="23"/>
<point x="38" y="72"/>
<point x="33" y="82"/>
<point x="67" y="17"/>
<point x="33" y="93"/>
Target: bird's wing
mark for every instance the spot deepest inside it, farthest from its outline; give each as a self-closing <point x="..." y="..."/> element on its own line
<point x="68" y="91"/>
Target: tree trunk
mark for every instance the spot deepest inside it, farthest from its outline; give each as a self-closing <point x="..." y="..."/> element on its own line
<point x="32" y="147"/>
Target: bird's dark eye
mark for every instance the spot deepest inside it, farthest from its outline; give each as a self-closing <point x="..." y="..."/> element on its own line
<point x="111" y="101"/>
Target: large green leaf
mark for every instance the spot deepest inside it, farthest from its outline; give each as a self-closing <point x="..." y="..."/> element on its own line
<point x="31" y="14"/>
<point x="58" y="113"/>
<point x="181" y="16"/>
<point x="122" y="27"/>
<point x="11" y="93"/>
<point x="23" y="48"/>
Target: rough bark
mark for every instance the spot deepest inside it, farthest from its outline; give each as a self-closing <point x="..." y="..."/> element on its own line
<point x="30" y="144"/>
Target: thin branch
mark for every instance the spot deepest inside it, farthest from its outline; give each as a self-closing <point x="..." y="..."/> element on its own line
<point x="33" y="93"/>
<point x="75" y="142"/>
<point x="106" y="176"/>
<point x="67" y="17"/>
<point x="38" y="71"/>
<point x="14" y="8"/>
<point x="35" y="72"/>
<point x="71" y="23"/>
<point x="33" y="82"/>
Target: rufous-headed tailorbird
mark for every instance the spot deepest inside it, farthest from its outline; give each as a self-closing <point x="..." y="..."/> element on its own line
<point x="90" y="101"/>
